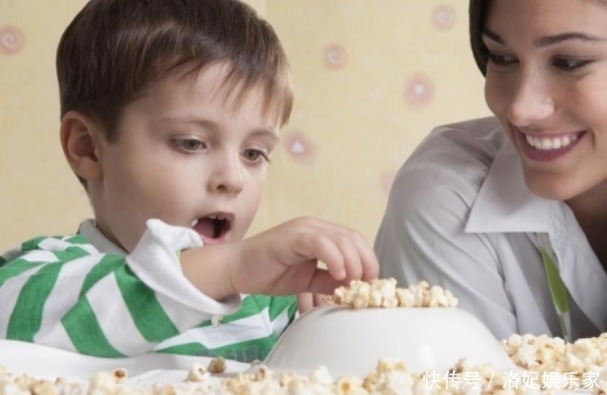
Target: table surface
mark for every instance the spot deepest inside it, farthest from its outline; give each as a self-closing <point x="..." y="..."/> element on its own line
<point x="44" y="362"/>
<point x="49" y="363"/>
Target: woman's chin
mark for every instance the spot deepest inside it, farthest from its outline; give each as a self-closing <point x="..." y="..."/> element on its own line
<point x="551" y="188"/>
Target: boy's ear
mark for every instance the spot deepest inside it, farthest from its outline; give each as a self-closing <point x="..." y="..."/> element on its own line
<point x="79" y="140"/>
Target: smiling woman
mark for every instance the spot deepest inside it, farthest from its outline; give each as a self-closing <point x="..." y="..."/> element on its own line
<point x="509" y="212"/>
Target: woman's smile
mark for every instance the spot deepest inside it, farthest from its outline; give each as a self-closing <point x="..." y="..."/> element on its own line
<point x="547" y="148"/>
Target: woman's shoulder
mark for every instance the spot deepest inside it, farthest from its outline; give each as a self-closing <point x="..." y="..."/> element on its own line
<point x="452" y="162"/>
<point x="471" y="141"/>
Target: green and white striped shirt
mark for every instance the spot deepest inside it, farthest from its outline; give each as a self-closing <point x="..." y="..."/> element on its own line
<point x="83" y="293"/>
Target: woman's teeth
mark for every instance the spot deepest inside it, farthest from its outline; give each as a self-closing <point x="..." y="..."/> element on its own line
<point x="193" y="223"/>
<point x="550" y="143"/>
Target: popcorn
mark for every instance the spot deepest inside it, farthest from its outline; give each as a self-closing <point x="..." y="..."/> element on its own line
<point x="105" y="382"/>
<point x="120" y="374"/>
<point x="550" y="364"/>
<point x="216" y="320"/>
<point x="198" y="373"/>
<point x="217" y="365"/>
<point x="321" y="376"/>
<point x="385" y="293"/>
<point x="560" y="364"/>
<point x="390" y="377"/>
<point x="350" y="385"/>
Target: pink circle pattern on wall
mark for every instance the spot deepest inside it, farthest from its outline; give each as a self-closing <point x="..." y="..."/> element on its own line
<point x="299" y="147"/>
<point x="419" y="90"/>
<point x="11" y="40"/>
<point x="443" y="17"/>
<point x="334" y="56"/>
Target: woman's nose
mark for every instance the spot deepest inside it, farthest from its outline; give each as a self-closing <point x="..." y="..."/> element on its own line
<point x="532" y="100"/>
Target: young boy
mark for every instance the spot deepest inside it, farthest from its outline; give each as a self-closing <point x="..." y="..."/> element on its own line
<point x="169" y="114"/>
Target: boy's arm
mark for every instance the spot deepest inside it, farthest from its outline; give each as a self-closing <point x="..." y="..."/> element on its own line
<point x="282" y="260"/>
<point x="65" y="294"/>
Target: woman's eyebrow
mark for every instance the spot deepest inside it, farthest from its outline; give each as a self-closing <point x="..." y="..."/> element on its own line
<point x="546" y="41"/>
<point x="493" y="36"/>
<point x="558" y="38"/>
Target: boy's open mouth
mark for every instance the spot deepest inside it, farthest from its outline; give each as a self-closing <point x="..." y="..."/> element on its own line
<point x="213" y="227"/>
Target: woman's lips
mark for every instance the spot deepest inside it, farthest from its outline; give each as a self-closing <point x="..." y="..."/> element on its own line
<point x="547" y="147"/>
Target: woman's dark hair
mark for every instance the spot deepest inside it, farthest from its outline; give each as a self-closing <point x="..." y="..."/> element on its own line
<point x="477" y="11"/>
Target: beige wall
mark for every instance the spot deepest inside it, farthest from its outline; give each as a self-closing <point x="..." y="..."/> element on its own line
<point x="371" y="79"/>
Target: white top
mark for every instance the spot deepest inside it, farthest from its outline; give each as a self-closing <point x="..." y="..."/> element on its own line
<point x="83" y="293"/>
<point x="460" y="216"/>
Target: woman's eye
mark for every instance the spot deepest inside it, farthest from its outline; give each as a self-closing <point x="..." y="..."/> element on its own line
<point x="500" y="60"/>
<point x="570" y="64"/>
<point x="188" y="145"/>
<point x="255" y="155"/>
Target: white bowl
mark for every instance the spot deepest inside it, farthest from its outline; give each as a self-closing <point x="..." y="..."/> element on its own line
<point x="351" y="341"/>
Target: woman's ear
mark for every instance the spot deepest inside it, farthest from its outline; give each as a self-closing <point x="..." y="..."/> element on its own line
<point x="79" y="140"/>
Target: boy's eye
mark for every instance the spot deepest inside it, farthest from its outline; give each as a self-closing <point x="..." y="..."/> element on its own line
<point x="188" y="144"/>
<point x="570" y="64"/>
<point x="255" y="155"/>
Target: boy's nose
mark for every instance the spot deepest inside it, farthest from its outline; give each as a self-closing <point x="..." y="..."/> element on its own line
<point x="531" y="100"/>
<point x="227" y="177"/>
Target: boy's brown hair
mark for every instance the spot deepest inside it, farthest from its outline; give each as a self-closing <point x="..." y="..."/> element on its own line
<point x="114" y="50"/>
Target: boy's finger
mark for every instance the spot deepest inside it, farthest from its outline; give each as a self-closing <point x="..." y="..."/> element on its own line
<point x="320" y="247"/>
<point x="351" y="257"/>
<point x="370" y="264"/>
<point x="323" y="283"/>
<point x="321" y="300"/>
<point x="359" y="258"/>
<point x="305" y="302"/>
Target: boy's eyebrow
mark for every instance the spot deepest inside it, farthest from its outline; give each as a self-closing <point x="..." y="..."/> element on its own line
<point x="215" y="125"/>
<point x="547" y="40"/>
<point x="266" y="133"/>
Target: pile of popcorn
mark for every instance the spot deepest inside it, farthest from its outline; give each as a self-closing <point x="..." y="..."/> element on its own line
<point x="570" y="365"/>
<point x="548" y="365"/>
<point x="390" y="377"/>
<point x="385" y="293"/>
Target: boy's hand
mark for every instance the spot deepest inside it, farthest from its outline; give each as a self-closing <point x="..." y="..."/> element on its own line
<point x="308" y="301"/>
<point x="284" y="260"/>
